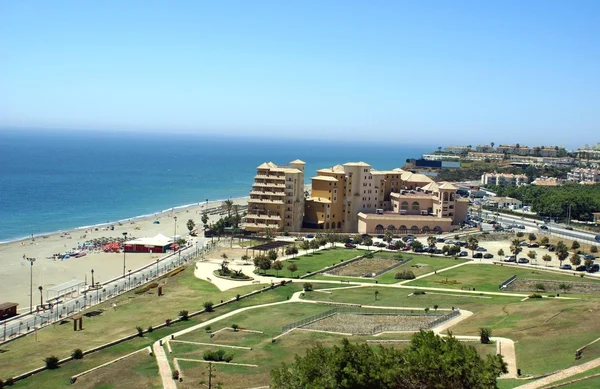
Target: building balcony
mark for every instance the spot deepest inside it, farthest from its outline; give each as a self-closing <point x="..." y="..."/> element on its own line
<point x="265" y="201"/>
<point x="262" y="216"/>
<point x="269" y="177"/>
<point x="265" y="193"/>
<point x="268" y="185"/>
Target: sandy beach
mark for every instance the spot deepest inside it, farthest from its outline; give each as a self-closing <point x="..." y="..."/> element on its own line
<point x="48" y="272"/>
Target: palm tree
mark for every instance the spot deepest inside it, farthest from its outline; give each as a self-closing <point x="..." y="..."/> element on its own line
<point x="515" y="247"/>
<point x="190" y="225"/>
<point x="485" y="334"/>
<point x="41" y="296"/>
<point x="492" y="144"/>
<point x="431" y="241"/>
<point x="472" y="244"/>
<point x="227" y="205"/>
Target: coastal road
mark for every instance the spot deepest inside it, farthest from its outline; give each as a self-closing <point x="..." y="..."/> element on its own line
<point x="66" y="306"/>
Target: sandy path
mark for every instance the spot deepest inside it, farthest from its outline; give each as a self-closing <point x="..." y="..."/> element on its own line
<point x="561" y="375"/>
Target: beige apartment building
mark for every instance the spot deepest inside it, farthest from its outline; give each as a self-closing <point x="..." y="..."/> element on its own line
<point x="351" y="197"/>
<point x="277" y="198"/>
<point x="504" y="179"/>
<point x="432" y="208"/>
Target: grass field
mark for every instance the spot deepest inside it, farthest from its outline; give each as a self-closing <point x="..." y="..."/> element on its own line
<point x="419" y="265"/>
<point x="489" y="277"/>
<point x="317" y="261"/>
<point x="183" y="291"/>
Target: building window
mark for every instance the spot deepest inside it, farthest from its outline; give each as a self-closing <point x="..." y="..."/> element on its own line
<point x="415" y="206"/>
<point x="404" y="205"/>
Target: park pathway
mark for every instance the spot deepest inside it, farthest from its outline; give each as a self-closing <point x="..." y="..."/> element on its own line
<point x="561" y="375"/>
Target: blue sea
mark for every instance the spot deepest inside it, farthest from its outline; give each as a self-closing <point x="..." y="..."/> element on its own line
<point x="59" y="180"/>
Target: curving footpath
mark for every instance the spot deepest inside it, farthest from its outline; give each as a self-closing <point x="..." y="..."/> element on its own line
<point x="164" y="368"/>
<point x="561" y="375"/>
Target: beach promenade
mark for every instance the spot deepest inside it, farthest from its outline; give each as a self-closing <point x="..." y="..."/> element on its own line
<point x="18" y="277"/>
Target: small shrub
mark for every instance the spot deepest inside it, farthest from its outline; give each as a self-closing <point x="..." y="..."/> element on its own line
<point x="419" y="292"/>
<point x="369" y="255"/>
<point x="9" y="382"/>
<point x="405" y="275"/>
<point x="175" y="374"/>
<point x="535" y="296"/>
<point x="540" y="286"/>
<point x="520" y="234"/>
<point x="51" y="362"/>
<point x="217" y="356"/>
<point x="208" y="306"/>
<point x="208" y="328"/>
<point x="237" y="297"/>
<point x="168" y="322"/>
<point x="150" y="329"/>
<point x="235" y="327"/>
<point x="145" y="288"/>
<point x="184" y="315"/>
<point x="76" y="354"/>
<point x="307" y="286"/>
<point x="140" y="331"/>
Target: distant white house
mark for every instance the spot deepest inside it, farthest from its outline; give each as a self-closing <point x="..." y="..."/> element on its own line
<point x="505" y="202"/>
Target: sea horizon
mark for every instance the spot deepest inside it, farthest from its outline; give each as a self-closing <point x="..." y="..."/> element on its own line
<point x="53" y="181"/>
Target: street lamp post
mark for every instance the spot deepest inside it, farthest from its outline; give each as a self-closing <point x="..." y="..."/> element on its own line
<point x="129" y="280"/>
<point x="174" y="232"/>
<point x="31" y="261"/>
<point x="41" y="296"/>
<point x="157" y="267"/>
<point x="125" y="238"/>
<point x="93" y="278"/>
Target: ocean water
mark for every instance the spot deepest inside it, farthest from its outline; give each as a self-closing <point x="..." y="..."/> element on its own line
<point x="58" y="180"/>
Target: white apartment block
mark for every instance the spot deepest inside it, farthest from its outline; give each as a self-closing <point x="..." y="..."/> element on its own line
<point x="504" y="179"/>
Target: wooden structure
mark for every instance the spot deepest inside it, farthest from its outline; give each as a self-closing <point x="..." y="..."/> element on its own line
<point x="8" y="310"/>
<point x="77" y="321"/>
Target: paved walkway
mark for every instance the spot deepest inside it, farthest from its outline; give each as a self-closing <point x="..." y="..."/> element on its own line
<point x="561" y="375"/>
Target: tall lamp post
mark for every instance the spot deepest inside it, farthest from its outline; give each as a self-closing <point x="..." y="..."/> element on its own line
<point x="174" y="233"/>
<point x="31" y="261"/>
<point x="125" y="238"/>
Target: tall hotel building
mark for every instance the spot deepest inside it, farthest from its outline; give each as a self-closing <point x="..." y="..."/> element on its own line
<point x="277" y="198"/>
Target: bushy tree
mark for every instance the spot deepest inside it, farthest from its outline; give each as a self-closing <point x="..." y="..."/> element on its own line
<point x="472" y="244"/>
<point x="292" y="267"/>
<point x="575" y="245"/>
<point x="547" y="258"/>
<point x="277" y="265"/>
<point x="575" y="259"/>
<point x="359" y="366"/>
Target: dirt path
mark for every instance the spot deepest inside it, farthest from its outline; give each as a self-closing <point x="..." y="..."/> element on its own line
<point x="561" y="375"/>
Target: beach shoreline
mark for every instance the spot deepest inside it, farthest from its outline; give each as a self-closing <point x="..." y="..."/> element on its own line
<point x="19" y="276"/>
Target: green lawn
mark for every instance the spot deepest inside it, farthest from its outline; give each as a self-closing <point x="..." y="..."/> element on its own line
<point x="183" y="291"/>
<point x="419" y="265"/>
<point x="548" y="331"/>
<point x="317" y="261"/>
<point x="487" y="278"/>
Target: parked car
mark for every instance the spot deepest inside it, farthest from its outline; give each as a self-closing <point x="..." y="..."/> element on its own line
<point x="392" y="247"/>
<point x="523" y="243"/>
<point x="380" y="236"/>
<point x="551" y="247"/>
<point x="566" y="267"/>
<point x="589" y="256"/>
<point x="438" y="251"/>
<point x="381" y="244"/>
<point x="592" y="269"/>
<point x="405" y="248"/>
<point x="440" y="240"/>
<point x="523" y="260"/>
<point x="510" y="258"/>
<point x="463" y="254"/>
<point x="543" y="227"/>
<point x="488" y="255"/>
<point x="580" y="268"/>
<point x="597" y="237"/>
<point x="299" y="239"/>
<point x="479" y="248"/>
<point x="569" y="228"/>
<point x="309" y="236"/>
<point x="350" y="246"/>
<point x="478" y="255"/>
<point x="534" y="245"/>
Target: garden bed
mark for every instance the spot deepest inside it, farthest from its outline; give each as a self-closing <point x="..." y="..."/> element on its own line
<point x="366" y="267"/>
<point x="529" y="285"/>
<point x="361" y="324"/>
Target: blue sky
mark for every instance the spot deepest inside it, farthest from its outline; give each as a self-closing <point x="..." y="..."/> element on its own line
<point x="432" y="72"/>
